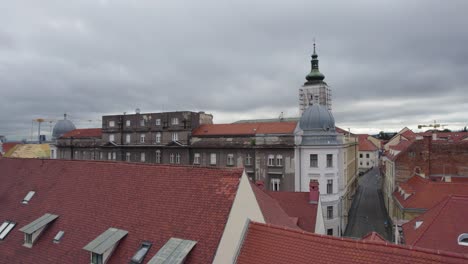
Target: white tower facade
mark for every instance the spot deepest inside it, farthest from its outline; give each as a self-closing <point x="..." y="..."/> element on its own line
<point x="314" y="90"/>
<point x="319" y="152"/>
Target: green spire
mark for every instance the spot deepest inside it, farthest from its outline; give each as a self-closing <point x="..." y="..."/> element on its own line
<point x="315" y="74"/>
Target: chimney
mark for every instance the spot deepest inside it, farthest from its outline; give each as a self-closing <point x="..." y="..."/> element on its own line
<point x="260" y="184"/>
<point x="427" y="151"/>
<point x="314" y="192"/>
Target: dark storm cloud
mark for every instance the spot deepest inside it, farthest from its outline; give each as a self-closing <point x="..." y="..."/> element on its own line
<point x="389" y="63"/>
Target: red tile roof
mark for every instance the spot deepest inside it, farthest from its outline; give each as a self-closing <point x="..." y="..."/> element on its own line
<point x="452" y="136"/>
<point x="245" y="129"/>
<point x="441" y="226"/>
<point x="426" y="193"/>
<point x="271" y="244"/>
<point x="365" y="144"/>
<point x="9" y="145"/>
<point x="373" y="236"/>
<point x="84" y="133"/>
<point x="296" y="204"/>
<point x="272" y="210"/>
<point x="151" y="202"/>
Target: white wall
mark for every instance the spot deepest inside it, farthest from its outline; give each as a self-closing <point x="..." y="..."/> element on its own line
<point x="373" y="159"/>
<point x="245" y="207"/>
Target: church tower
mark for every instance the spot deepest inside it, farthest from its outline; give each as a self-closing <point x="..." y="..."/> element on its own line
<point x="314" y="90"/>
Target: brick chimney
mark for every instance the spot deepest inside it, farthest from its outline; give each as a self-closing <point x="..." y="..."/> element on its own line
<point x="260" y="184"/>
<point x="427" y="154"/>
<point x="313" y="192"/>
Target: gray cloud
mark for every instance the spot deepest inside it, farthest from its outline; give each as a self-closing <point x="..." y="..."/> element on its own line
<point x="236" y="59"/>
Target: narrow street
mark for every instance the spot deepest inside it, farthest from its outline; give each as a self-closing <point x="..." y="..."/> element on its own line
<point x="368" y="211"/>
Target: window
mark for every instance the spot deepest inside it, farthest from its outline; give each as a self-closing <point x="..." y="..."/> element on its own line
<point x="196" y="158"/>
<point x="142" y="157"/>
<point x="128" y="123"/>
<point x="142" y="138"/>
<point x="158" y="156"/>
<point x="329" y="160"/>
<point x="463" y="239"/>
<point x="158" y="122"/>
<point x="109" y="156"/>
<point x="330" y="231"/>
<point x="329" y="212"/>
<point x="411" y="154"/>
<point x="111" y="137"/>
<point x="112" y="123"/>
<point x="127" y="156"/>
<point x="175" y="136"/>
<point x="367" y="163"/>
<point x="101" y="155"/>
<point x="28" y="197"/>
<point x="248" y="160"/>
<point x="230" y="159"/>
<point x="28" y="239"/>
<point x="141" y="253"/>
<point x="313" y="161"/>
<point x="171" y="158"/>
<point x="175" y="121"/>
<point x="275" y="185"/>
<point x="271" y="160"/>
<point x="128" y="138"/>
<point x="367" y="155"/>
<point x="142" y="122"/>
<point x="158" y="137"/>
<point x="329" y="186"/>
<point x="5" y="228"/>
<point x="360" y="155"/>
<point x="96" y="258"/>
<point x="213" y="159"/>
<point x="279" y="160"/>
<point x="177" y="158"/>
<point x="360" y="163"/>
<point x="114" y="156"/>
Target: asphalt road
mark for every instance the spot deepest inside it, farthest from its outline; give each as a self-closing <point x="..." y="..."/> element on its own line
<point x="367" y="213"/>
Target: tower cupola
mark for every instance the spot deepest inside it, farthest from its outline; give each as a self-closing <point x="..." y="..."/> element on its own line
<point x="315" y="75"/>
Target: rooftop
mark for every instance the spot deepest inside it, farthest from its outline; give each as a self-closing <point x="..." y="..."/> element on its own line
<point x="245" y="129"/>
<point x="365" y="144"/>
<point x="84" y="133"/>
<point x="440" y="226"/>
<point x="273" y="244"/>
<point x="152" y="202"/>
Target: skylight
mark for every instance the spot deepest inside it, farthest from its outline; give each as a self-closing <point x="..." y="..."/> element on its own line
<point x="5" y="228"/>
<point x="58" y="237"/>
<point x="141" y="253"/>
<point x="417" y="224"/>
<point x="28" y="197"/>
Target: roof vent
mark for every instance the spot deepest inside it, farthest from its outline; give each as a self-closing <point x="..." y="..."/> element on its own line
<point x="102" y="247"/>
<point x="28" y="197"/>
<point x="463" y="239"/>
<point x="33" y="230"/>
<point x="417" y="224"/>
<point x="5" y="228"/>
<point x="174" y="251"/>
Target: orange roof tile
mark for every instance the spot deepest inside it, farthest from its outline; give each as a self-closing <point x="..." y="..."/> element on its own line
<point x="245" y="129"/>
<point x="84" y="133"/>
<point x="267" y="244"/>
<point x="441" y="226"/>
<point x="365" y="144"/>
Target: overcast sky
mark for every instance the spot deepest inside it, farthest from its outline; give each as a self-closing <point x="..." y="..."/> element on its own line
<point x="390" y="64"/>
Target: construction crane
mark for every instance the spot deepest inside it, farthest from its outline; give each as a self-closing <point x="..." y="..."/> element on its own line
<point x="39" y="121"/>
<point x="435" y="125"/>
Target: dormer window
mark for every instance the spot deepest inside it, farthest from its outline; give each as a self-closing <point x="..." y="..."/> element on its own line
<point x="141" y="253"/>
<point x="5" y="228"/>
<point x="33" y="230"/>
<point x="28" y="197"/>
<point x="174" y="247"/>
<point x="102" y="247"/>
<point x="463" y="239"/>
